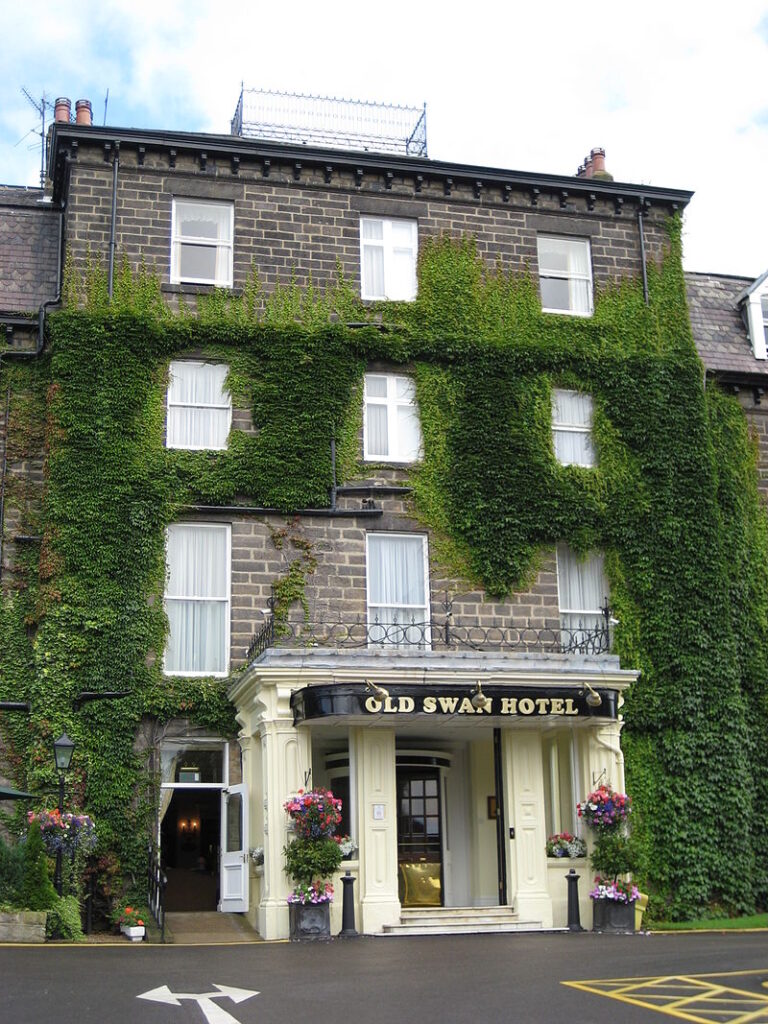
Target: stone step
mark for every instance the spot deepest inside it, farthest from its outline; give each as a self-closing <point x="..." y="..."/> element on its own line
<point x="409" y="913"/>
<point x="459" y="921"/>
<point x="448" y="927"/>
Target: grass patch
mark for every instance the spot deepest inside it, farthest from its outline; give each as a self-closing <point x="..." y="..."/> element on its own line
<point x="716" y="923"/>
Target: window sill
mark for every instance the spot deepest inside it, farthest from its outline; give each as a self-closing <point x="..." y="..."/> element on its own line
<point x="193" y="289"/>
<point x="567" y="312"/>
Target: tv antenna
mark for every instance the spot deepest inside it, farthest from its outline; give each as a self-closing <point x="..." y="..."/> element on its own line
<point x="41" y="108"/>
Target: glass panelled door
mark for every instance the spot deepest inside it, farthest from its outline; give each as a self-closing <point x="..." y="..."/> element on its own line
<point x="419" y="839"/>
<point x="234" y="849"/>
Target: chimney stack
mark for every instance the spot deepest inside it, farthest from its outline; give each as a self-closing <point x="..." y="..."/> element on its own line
<point x="594" y="166"/>
<point x="62" y="110"/>
<point x="83" y="112"/>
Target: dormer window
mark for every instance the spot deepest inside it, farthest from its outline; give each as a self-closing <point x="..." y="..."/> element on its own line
<point x="754" y="307"/>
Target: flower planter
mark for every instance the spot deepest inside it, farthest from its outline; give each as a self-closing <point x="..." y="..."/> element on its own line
<point x="309" y="921"/>
<point x="613" y="916"/>
<point x="134" y="932"/>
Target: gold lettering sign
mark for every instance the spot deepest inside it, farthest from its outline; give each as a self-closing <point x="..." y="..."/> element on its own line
<point x="454" y="705"/>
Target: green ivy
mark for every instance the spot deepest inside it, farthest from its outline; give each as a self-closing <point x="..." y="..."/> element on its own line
<point x="673" y="502"/>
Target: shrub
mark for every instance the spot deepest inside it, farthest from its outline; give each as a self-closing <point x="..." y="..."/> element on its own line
<point x="64" y="920"/>
<point x="37" y="892"/>
<point x="11" y="873"/>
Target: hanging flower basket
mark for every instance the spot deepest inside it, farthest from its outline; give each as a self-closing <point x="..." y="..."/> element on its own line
<point x="605" y="809"/>
<point x="315" y="814"/>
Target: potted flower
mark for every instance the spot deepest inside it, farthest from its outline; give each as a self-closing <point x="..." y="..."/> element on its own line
<point x="347" y="845"/>
<point x="563" y="844"/>
<point x="613" y="898"/>
<point x="311" y="858"/>
<point x="131" y="923"/>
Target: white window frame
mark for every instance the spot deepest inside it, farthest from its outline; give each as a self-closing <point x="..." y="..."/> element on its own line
<point x="392" y="403"/>
<point x="573" y="629"/>
<point x="757" y="322"/>
<point x="226" y="244"/>
<point x="388" y="247"/>
<point x="425" y="609"/>
<point x="227" y="601"/>
<point x="225" y="405"/>
<point x="561" y="275"/>
<point x="561" y="426"/>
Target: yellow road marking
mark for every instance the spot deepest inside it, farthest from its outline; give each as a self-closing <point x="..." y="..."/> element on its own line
<point x="690" y="997"/>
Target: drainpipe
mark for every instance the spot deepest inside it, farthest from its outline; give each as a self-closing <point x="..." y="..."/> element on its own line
<point x="642" y="247"/>
<point x="113" y="220"/>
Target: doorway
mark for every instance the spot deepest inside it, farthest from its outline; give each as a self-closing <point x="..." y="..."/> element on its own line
<point x="190" y="845"/>
<point x="419" y="838"/>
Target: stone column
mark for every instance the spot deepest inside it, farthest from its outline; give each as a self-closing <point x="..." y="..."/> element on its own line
<point x="286" y="757"/>
<point x="372" y="758"/>
<point x="527" y="861"/>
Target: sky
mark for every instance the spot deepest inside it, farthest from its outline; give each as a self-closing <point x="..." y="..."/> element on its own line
<point x="675" y="91"/>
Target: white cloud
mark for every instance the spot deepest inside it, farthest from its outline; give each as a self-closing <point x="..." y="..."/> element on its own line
<point x="674" y="92"/>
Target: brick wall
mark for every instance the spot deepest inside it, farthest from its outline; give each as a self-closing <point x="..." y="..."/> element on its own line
<point x="29" y="239"/>
<point x="295" y="221"/>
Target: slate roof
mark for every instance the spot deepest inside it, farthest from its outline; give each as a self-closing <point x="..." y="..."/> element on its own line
<point x="718" y="329"/>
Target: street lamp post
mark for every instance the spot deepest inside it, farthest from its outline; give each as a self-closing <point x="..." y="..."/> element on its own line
<point x="63" y="748"/>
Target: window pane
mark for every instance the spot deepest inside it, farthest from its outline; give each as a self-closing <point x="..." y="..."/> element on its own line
<point x="555" y="293"/>
<point x="206" y="765"/>
<point x="571" y="408"/>
<point x="375" y="386"/>
<point x="373" y="272"/>
<point x="373" y="229"/>
<point x="408" y="433"/>
<point x="574" y="448"/>
<point x="197" y="428"/>
<point x="197" y="262"/>
<point x="396" y="566"/>
<point x="581" y="582"/>
<point x="199" y="220"/>
<point x="196" y="640"/>
<point x="405" y="388"/>
<point x="377" y="437"/>
<point x="580" y="297"/>
<point x="234" y="822"/>
<point x="197" y="561"/>
<point x="401" y="282"/>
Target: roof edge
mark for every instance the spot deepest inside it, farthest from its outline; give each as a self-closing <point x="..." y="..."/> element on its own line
<point x="232" y="145"/>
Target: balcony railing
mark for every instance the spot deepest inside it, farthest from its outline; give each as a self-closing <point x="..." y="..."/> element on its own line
<point x="445" y="634"/>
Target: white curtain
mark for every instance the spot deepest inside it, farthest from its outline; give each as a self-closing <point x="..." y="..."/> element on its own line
<point x="372" y="235"/>
<point x="572" y="426"/>
<point x="197" y="598"/>
<point x="199" y="407"/>
<point x="583" y="591"/>
<point x="396" y="583"/>
<point x="401" y="283"/>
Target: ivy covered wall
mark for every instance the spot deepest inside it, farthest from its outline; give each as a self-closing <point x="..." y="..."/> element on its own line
<point x="673" y="502"/>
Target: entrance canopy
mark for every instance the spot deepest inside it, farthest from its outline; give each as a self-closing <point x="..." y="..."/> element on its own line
<point x="6" y="793"/>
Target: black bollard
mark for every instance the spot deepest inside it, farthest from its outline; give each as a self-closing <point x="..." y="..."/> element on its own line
<point x="348" y="930"/>
<point x="574" y="918"/>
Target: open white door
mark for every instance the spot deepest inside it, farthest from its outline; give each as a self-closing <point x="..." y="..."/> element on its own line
<point x="233" y="877"/>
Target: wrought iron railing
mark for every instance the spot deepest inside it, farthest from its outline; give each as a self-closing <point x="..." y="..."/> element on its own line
<point x="446" y="634"/>
<point x="157" y="882"/>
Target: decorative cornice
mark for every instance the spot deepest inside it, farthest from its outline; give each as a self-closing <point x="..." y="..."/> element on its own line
<point x="417" y="169"/>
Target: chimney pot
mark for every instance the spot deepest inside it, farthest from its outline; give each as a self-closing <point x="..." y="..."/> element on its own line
<point x="62" y="109"/>
<point x="588" y="167"/>
<point x="83" y="112"/>
<point x="598" y="160"/>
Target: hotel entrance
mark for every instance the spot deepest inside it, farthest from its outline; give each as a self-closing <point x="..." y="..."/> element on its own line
<point x="419" y="838"/>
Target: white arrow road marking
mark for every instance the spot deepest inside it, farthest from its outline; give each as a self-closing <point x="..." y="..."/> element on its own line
<point x="213" y="1013"/>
